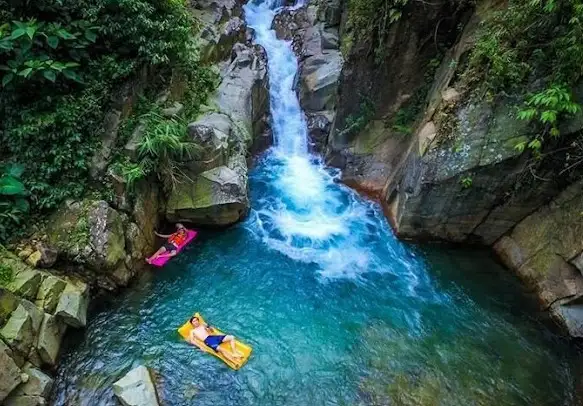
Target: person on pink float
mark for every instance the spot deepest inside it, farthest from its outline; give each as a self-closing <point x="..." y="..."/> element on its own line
<point x="170" y="247"/>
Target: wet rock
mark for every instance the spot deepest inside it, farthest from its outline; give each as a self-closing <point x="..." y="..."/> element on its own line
<point x="10" y="373"/>
<point x="319" y="125"/>
<point x="49" y="339"/>
<point x="330" y="39"/>
<point x="136" y="388"/>
<point x="319" y="81"/>
<point x="32" y="393"/>
<point x="72" y="306"/>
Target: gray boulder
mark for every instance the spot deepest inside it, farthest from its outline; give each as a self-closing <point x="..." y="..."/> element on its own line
<point x="72" y="306"/>
<point x="32" y="393"/>
<point x="49" y="293"/>
<point x="91" y="233"/>
<point x="215" y="197"/>
<point x="136" y="388"/>
<point x="18" y="332"/>
<point x="319" y="81"/>
<point x="49" y="339"/>
<point x="10" y="374"/>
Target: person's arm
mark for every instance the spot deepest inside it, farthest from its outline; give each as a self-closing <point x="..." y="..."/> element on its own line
<point x="169" y="255"/>
<point x="192" y="336"/>
<point x="162" y="235"/>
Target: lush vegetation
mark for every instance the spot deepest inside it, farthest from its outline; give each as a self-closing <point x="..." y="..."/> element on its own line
<point x="61" y="64"/>
<point x="532" y="48"/>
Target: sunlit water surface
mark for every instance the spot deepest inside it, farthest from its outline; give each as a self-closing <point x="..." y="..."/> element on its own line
<point x="337" y="310"/>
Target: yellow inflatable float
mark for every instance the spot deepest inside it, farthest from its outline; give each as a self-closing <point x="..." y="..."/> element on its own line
<point x="244" y="349"/>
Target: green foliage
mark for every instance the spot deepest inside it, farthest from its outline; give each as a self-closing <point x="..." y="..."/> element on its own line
<point x="372" y="18"/>
<point x="540" y="39"/>
<point x="546" y="108"/>
<point x="13" y="202"/>
<point x="62" y="61"/>
<point x="466" y="182"/>
<point x="530" y="36"/>
<point x="357" y="122"/>
<point x="163" y="149"/>
<point x="6" y="275"/>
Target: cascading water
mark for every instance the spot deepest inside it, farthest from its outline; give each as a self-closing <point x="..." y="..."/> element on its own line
<point x="337" y="310"/>
<point x="307" y="214"/>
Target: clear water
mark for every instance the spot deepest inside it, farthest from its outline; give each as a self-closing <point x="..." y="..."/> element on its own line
<point x="337" y="310"/>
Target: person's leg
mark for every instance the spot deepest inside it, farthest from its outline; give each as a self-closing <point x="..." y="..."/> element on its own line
<point x="231" y="340"/>
<point x="228" y="355"/>
<point x="157" y="254"/>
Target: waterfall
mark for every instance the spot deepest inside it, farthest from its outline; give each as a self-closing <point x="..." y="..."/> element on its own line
<point x="307" y="214"/>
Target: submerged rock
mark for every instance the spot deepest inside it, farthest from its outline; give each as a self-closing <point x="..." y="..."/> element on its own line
<point x="136" y="388"/>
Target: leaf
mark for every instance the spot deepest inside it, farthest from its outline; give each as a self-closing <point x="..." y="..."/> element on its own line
<point x="25" y="72"/>
<point x="520" y="146"/>
<point x="535" y="144"/>
<point x="50" y="75"/>
<point x="6" y="44"/>
<point x="15" y="170"/>
<point x="548" y="116"/>
<point x="69" y="74"/>
<point x="17" y="33"/>
<point x="53" y="41"/>
<point x="7" y="79"/>
<point x="30" y="31"/>
<point x="10" y="186"/>
<point x="22" y="205"/>
<point x="90" y="36"/>
<point x="64" y="34"/>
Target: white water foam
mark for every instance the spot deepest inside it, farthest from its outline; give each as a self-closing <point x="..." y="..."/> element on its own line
<point x="306" y="213"/>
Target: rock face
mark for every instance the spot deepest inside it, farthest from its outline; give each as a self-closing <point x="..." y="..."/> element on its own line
<point x="223" y="26"/>
<point x="313" y="31"/>
<point x="92" y="234"/>
<point x="379" y="84"/>
<point x="545" y="248"/>
<point x="216" y="191"/>
<point x="136" y="388"/>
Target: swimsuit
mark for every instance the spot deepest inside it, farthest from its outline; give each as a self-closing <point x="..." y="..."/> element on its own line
<point x="214" y="341"/>
<point x="170" y="247"/>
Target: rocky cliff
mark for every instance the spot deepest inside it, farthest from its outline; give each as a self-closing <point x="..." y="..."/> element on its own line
<point x="406" y="126"/>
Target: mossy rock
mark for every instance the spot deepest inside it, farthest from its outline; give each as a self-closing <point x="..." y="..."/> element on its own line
<point x="90" y="233"/>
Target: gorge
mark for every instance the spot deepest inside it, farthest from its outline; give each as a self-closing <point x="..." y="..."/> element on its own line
<point x="313" y="276"/>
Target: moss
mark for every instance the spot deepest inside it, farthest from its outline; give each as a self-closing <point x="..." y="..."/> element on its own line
<point x="69" y="227"/>
<point x="6" y="275"/>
